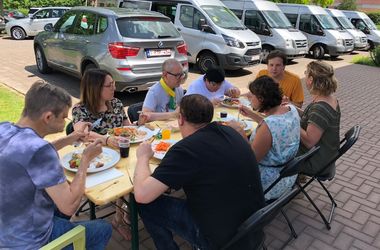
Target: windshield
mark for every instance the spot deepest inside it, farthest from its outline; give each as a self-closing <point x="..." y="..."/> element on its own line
<point x="146" y="28"/>
<point x="370" y="24"/>
<point x="327" y="22"/>
<point x="344" y="22"/>
<point x="277" y="19"/>
<point x="223" y="17"/>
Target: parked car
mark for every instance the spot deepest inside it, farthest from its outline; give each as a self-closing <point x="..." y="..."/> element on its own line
<point x="13" y="14"/>
<point x="31" y="26"/>
<point x="2" y="24"/>
<point x="130" y="44"/>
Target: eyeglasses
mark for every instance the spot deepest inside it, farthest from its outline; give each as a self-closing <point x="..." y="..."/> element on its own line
<point x="177" y="76"/>
<point x="110" y="84"/>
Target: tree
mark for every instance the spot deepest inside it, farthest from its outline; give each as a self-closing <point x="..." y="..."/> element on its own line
<point x="347" y="5"/>
<point x="292" y="1"/>
<point x="323" y="3"/>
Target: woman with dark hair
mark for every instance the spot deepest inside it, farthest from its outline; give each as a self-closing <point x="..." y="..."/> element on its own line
<point x="97" y="101"/>
<point x="321" y="118"/>
<point x="276" y="138"/>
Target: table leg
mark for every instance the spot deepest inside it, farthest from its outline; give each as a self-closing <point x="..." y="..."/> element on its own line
<point x="92" y="210"/>
<point x="134" y="221"/>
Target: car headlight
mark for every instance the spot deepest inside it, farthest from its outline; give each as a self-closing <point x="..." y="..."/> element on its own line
<point x="233" y="42"/>
<point x="289" y="43"/>
<point x="339" y="42"/>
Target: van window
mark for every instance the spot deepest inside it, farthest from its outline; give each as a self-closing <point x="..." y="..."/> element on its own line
<point x="146" y="27"/>
<point x="238" y="13"/>
<point x="86" y="24"/>
<point x="276" y="19"/>
<point x="327" y="22"/>
<point x="223" y="17"/>
<point x="292" y="19"/>
<point x="65" y="24"/>
<point x="254" y="21"/>
<point x="57" y="13"/>
<point x="102" y="24"/>
<point x="343" y="22"/>
<point x="168" y="10"/>
<point x="190" y="17"/>
<point x="309" y="24"/>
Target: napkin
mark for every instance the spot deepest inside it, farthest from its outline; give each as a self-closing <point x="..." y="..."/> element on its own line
<point x="103" y="176"/>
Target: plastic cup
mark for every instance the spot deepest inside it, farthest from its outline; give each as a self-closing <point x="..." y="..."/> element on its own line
<point x="166" y="133"/>
<point x="124" y="144"/>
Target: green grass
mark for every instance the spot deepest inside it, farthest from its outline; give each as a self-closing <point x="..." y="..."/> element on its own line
<point x="364" y="60"/>
<point x="378" y="26"/>
<point x="11" y="104"/>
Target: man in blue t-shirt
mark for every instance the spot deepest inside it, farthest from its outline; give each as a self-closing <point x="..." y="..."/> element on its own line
<point x="32" y="181"/>
<point x="216" y="167"/>
<point x="162" y="100"/>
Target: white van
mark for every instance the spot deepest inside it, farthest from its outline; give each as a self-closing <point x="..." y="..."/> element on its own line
<point x="323" y="34"/>
<point x="361" y="21"/>
<point x="213" y="34"/>
<point x="360" y="41"/>
<point x="271" y="25"/>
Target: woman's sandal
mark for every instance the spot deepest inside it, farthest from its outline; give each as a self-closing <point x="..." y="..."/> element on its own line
<point x="123" y="229"/>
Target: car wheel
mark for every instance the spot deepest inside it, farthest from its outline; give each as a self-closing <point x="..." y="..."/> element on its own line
<point x="206" y="60"/>
<point x="318" y="51"/>
<point x="41" y="62"/>
<point x="265" y="52"/>
<point x="18" y="33"/>
<point x="334" y="57"/>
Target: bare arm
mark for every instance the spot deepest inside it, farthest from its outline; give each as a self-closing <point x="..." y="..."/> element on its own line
<point x="311" y="136"/>
<point x="146" y="188"/>
<point x="148" y="115"/>
<point x="67" y="196"/>
<point x="233" y="92"/>
<point x="80" y="134"/>
<point x="262" y="142"/>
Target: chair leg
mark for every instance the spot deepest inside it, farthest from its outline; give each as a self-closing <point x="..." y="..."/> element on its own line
<point x="333" y="203"/>
<point x="292" y="231"/>
<point x="316" y="208"/>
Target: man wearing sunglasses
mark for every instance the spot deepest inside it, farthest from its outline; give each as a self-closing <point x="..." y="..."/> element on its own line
<point x="162" y="99"/>
<point x="213" y="86"/>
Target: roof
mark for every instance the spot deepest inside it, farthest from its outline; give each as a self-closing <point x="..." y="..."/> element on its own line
<point x="120" y="12"/>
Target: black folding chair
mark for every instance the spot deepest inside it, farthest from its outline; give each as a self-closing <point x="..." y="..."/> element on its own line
<point x="133" y="111"/>
<point x="291" y="168"/>
<point x="346" y="143"/>
<point x="260" y="219"/>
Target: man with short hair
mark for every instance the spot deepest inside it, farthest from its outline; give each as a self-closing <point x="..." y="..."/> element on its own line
<point x="32" y="181"/>
<point x="217" y="170"/>
<point x="289" y="83"/>
<point x="162" y="100"/>
<point x="213" y="86"/>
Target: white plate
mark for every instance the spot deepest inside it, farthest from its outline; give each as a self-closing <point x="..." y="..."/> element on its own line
<point x="243" y="101"/>
<point x="160" y="154"/>
<point x="248" y="124"/>
<point x="149" y="134"/>
<point x="108" y="157"/>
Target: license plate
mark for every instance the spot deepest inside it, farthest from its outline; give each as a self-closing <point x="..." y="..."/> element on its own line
<point x="158" y="52"/>
<point x="302" y="52"/>
<point x="254" y="58"/>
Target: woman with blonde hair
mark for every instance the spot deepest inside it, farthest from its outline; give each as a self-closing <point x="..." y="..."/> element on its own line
<point x="321" y="118"/>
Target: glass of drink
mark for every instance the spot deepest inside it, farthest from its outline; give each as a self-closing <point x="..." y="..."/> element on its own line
<point x="166" y="132"/>
<point x="124" y="144"/>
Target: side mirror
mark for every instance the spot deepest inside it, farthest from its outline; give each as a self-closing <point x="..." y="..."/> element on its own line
<point x="48" y="27"/>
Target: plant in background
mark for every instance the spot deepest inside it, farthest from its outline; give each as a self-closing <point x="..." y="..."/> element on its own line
<point x="375" y="55"/>
<point x="347" y="5"/>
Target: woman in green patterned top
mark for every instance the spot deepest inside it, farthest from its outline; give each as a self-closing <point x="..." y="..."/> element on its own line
<point x="321" y="118"/>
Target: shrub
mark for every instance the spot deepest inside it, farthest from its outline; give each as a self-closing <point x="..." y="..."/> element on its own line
<point x="375" y="17"/>
<point x="375" y="55"/>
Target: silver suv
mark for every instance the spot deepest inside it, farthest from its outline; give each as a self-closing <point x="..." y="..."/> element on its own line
<point x="129" y="43"/>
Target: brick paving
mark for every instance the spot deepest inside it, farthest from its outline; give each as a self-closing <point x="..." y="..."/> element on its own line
<point x="356" y="187"/>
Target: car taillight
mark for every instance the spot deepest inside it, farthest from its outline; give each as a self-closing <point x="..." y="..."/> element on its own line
<point x="182" y="49"/>
<point x="119" y="51"/>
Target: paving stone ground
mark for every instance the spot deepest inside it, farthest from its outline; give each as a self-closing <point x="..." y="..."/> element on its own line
<point x="356" y="187"/>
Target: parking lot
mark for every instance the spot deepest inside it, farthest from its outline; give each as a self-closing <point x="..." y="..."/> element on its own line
<point x="356" y="188"/>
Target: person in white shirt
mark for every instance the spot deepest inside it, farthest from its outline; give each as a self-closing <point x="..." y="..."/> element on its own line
<point x="213" y="86"/>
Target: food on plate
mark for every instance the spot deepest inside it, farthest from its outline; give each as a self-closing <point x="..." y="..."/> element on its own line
<point x="163" y="146"/>
<point x="231" y="101"/>
<point x="131" y="132"/>
<point x="149" y="126"/>
<point x="75" y="161"/>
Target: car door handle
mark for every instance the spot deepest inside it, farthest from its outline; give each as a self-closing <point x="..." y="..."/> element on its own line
<point x="87" y="41"/>
<point x="179" y="29"/>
